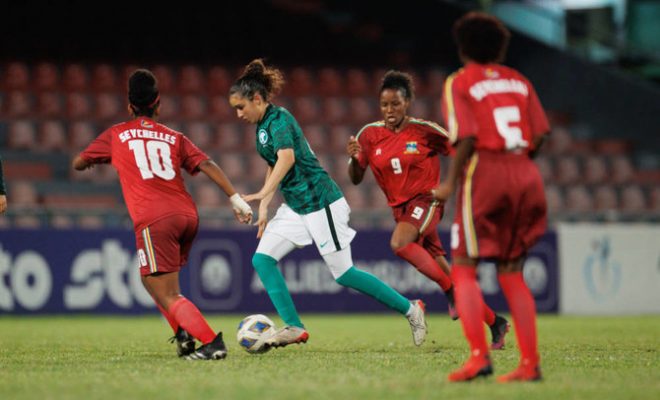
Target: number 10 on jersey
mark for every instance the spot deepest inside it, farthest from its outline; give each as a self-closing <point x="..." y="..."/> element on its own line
<point x="153" y="157"/>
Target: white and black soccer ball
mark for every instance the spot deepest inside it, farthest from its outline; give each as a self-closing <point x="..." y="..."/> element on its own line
<point x="253" y="332"/>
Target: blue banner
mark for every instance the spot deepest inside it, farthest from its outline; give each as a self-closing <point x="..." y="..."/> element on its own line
<point x="82" y="271"/>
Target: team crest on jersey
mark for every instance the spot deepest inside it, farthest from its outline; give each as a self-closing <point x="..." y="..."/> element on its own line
<point x="146" y="124"/>
<point x="263" y="136"/>
<point x="379" y="151"/>
<point x="491" y="73"/>
<point x="411" y="148"/>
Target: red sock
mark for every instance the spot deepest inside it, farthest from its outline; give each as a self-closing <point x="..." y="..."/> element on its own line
<point x="523" y="310"/>
<point x="470" y="304"/>
<point x="168" y="317"/>
<point x="489" y="315"/>
<point x="422" y="260"/>
<point x="190" y="319"/>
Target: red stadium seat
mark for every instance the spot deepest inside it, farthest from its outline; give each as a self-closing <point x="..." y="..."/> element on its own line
<point x="29" y="170"/>
<point x="545" y="168"/>
<point x="421" y="108"/>
<point x="356" y="197"/>
<point x="61" y="221"/>
<point x="567" y="170"/>
<point x="18" y="104"/>
<point x="23" y="194"/>
<point x="363" y="110"/>
<point x="622" y="170"/>
<point x="193" y="107"/>
<point x="435" y="81"/>
<point x="219" y="81"/>
<point x="233" y="165"/>
<point x="75" y="78"/>
<point x="104" y="78"/>
<point x="595" y="169"/>
<point x="339" y="135"/>
<point x="81" y="134"/>
<point x="306" y="109"/>
<point x="578" y="199"/>
<point x="605" y="198"/>
<point x="209" y="195"/>
<point x="554" y="198"/>
<point x="79" y="201"/>
<point x="46" y="77"/>
<point x="109" y="108"/>
<point x="357" y="83"/>
<point x="169" y="107"/>
<point x="78" y="106"/>
<point x="90" y="222"/>
<point x="165" y="77"/>
<point x="16" y="77"/>
<point x="220" y="110"/>
<point x="52" y="137"/>
<point x="334" y="110"/>
<point x="633" y="199"/>
<point x="22" y="135"/>
<point x="229" y="137"/>
<point x="300" y="83"/>
<point x="330" y="82"/>
<point x="49" y="104"/>
<point x="316" y="137"/>
<point x="200" y="134"/>
<point x="191" y="80"/>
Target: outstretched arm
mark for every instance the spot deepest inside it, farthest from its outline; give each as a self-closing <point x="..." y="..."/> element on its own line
<point x="216" y="174"/>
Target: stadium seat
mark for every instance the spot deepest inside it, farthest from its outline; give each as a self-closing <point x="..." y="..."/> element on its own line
<point x="81" y="134"/>
<point x="49" y="104"/>
<point x="595" y="169"/>
<point x="104" y="78"/>
<point x="90" y="221"/>
<point x="52" y="137"/>
<point x="300" y="82"/>
<point x="421" y="108"/>
<point x="61" y="221"/>
<point x="559" y="141"/>
<point x="18" y="104"/>
<point x="655" y="198"/>
<point x="23" y="194"/>
<point x="633" y="199"/>
<point x="78" y="106"/>
<point x="622" y="169"/>
<point x="306" y="109"/>
<point x="545" y="167"/>
<point x="334" y="110"/>
<point x="109" y="109"/>
<point x="169" y="107"/>
<point x="330" y="82"/>
<point x="611" y="146"/>
<point x="220" y="110"/>
<point x="555" y="199"/>
<point x="77" y="201"/>
<point x="316" y="137"/>
<point x="28" y="221"/>
<point x="200" y="134"/>
<point x="233" y="164"/>
<point x="22" y="135"/>
<point x="209" y="195"/>
<point x="75" y="78"/>
<point x="46" y="77"/>
<point x="356" y="197"/>
<point x="327" y="163"/>
<point x="166" y="79"/>
<point x="435" y="81"/>
<point x="190" y="80"/>
<point x="338" y="136"/>
<point x="193" y="107"/>
<point x="28" y="170"/>
<point x="362" y="110"/>
<point x="229" y="137"/>
<point x="219" y="81"/>
<point x="605" y="198"/>
<point x="377" y="199"/>
<point x="357" y="83"/>
<point x="567" y="170"/>
<point x="578" y="199"/>
<point x="16" y="77"/>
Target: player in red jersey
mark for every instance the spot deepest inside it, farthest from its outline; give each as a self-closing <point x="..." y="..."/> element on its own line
<point x="496" y="118"/>
<point x="148" y="158"/>
<point x="404" y="156"/>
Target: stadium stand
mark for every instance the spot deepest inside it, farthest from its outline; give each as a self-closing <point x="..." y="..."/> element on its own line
<point x="52" y="111"/>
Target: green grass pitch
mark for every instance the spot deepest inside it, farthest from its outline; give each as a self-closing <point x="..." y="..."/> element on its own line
<point x="347" y="357"/>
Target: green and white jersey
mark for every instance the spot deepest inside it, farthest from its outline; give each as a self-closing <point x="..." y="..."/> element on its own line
<point x="307" y="187"/>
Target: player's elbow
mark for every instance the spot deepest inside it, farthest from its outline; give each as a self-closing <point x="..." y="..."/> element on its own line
<point x="79" y="164"/>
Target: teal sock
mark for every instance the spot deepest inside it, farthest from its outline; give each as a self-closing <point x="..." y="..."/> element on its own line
<point x="368" y="284"/>
<point x="271" y="277"/>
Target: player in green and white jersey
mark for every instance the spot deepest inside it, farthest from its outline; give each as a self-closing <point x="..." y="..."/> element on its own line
<point x="314" y="208"/>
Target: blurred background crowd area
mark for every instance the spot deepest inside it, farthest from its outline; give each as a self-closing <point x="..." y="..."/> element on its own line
<point x="601" y="161"/>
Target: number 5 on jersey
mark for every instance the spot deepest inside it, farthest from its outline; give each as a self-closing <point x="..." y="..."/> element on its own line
<point x="153" y="158"/>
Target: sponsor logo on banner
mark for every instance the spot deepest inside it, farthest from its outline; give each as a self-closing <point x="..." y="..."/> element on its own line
<point x="602" y="275"/>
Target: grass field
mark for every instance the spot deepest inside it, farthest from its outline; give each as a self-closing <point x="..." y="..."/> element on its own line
<point x="347" y="357"/>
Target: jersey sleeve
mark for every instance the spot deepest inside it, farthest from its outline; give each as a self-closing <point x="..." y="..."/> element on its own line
<point x="283" y="133"/>
<point x="436" y="138"/>
<point x="191" y="156"/>
<point x="100" y="150"/>
<point x="537" y="118"/>
<point x="365" y="145"/>
<point x="456" y="110"/>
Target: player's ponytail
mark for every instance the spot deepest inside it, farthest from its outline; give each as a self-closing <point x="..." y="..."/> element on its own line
<point x="401" y="81"/>
<point x="257" y="78"/>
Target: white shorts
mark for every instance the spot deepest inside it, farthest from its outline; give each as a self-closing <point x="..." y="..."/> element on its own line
<point x="328" y="228"/>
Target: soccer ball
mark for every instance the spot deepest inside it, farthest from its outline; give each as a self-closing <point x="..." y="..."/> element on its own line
<point x="253" y="332"/>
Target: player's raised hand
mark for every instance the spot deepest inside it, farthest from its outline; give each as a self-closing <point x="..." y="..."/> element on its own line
<point x="353" y="147"/>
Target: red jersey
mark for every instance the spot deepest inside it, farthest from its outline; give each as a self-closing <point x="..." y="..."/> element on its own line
<point x="148" y="158"/>
<point x="496" y="105"/>
<point x="406" y="163"/>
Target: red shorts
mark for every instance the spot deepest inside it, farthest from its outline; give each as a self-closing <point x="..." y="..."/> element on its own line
<point x="164" y="245"/>
<point x="501" y="208"/>
<point x="424" y="214"/>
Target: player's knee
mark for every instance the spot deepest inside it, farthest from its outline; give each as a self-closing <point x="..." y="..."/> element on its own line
<point x="262" y="261"/>
<point x="398" y="243"/>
